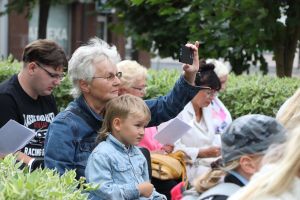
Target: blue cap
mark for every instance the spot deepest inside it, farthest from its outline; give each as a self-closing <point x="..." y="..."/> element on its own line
<point x="250" y="134"/>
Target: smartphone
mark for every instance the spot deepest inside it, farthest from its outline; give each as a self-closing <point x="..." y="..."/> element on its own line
<point x="186" y="55"/>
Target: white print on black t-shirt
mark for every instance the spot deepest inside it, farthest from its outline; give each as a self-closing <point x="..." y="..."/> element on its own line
<point x="30" y="119"/>
<point x="34" y="152"/>
<point x="38" y="123"/>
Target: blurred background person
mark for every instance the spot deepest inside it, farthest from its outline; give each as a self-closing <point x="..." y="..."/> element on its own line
<point x="220" y="115"/>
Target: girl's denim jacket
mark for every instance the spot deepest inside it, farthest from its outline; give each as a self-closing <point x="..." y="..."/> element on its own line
<point x="118" y="170"/>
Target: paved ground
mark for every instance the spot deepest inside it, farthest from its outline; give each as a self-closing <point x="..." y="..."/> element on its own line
<point x="168" y="63"/>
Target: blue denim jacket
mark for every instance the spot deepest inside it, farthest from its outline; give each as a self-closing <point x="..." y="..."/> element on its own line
<point x="70" y="140"/>
<point x="118" y="170"/>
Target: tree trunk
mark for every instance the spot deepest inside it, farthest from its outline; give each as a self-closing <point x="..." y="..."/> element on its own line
<point x="43" y="18"/>
<point x="284" y="57"/>
<point x="299" y="54"/>
<point x="285" y="43"/>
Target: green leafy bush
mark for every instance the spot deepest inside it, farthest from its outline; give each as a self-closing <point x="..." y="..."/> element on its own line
<point x="160" y="82"/>
<point x="244" y="94"/>
<point x="8" y="67"/>
<point x="62" y="94"/>
<point x="257" y="94"/>
<point x="40" y="184"/>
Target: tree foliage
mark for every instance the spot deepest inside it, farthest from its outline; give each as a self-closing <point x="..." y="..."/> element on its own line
<point x="237" y="30"/>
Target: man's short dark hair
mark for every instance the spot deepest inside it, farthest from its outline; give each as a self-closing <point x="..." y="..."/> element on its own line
<point x="46" y="52"/>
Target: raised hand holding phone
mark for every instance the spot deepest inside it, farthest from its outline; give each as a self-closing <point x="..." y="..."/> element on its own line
<point x="186" y="55"/>
<point x="190" y="70"/>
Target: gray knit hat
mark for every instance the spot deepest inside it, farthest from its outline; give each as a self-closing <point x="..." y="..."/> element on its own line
<point x="250" y="134"/>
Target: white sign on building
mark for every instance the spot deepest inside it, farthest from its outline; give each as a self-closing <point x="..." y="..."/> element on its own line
<point x="58" y="26"/>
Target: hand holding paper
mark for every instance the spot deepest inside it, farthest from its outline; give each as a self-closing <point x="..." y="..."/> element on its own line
<point x="171" y="131"/>
<point x="13" y="137"/>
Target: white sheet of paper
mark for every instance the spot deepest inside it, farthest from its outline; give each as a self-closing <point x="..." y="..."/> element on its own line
<point x="169" y="132"/>
<point x="14" y="136"/>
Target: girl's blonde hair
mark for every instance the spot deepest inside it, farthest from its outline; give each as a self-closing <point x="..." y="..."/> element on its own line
<point x="122" y="107"/>
<point x="278" y="178"/>
<point x="131" y="71"/>
<point x="291" y="112"/>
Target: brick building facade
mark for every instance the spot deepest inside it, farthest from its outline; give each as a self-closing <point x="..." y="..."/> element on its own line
<point x="70" y="25"/>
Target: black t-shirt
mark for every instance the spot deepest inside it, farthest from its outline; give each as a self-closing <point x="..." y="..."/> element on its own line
<point x="35" y="114"/>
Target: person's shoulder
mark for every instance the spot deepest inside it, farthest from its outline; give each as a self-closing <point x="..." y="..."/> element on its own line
<point x="67" y="114"/>
<point x="104" y="150"/>
<point x="188" y="111"/>
<point x="63" y="116"/>
<point x="67" y="120"/>
<point x="220" y="191"/>
<point x="215" y="197"/>
<point x="8" y="86"/>
<point x="192" y="194"/>
<point x="138" y="151"/>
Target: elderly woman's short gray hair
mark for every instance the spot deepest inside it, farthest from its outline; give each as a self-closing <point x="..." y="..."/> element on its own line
<point x="81" y="63"/>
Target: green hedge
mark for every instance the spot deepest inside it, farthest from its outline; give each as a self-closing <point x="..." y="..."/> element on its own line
<point x="8" y="67"/>
<point x="244" y="94"/>
<point x="41" y="184"/>
<point x="62" y="94"/>
<point x="257" y="94"/>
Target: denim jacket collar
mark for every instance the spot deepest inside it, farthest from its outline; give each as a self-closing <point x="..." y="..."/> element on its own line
<point x="120" y="146"/>
<point x="86" y="108"/>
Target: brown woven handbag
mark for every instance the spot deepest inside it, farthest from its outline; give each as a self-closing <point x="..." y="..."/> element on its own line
<point x="168" y="166"/>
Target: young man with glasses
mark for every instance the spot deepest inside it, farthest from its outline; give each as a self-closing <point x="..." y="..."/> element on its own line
<point x="93" y="72"/>
<point x="27" y="97"/>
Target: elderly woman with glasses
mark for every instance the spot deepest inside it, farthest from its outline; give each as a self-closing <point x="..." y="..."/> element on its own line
<point x="201" y="143"/>
<point x="134" y="78"/>
<point x="95" y="78"/>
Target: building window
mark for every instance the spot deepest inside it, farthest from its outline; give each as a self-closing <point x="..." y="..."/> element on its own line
<point x="58" y="26"/>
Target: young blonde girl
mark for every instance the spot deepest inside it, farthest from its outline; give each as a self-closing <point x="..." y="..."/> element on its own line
<point x="116" y="164"/>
